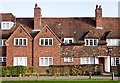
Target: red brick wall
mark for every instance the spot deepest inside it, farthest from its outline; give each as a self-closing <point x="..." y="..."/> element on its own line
<point x="46" y="51"/>
<point x="19" y="51"/>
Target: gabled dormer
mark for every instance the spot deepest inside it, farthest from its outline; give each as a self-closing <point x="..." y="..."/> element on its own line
<point x="112" y="39"/>
<point x="7" y="21"/>
<point x="91" y="39"/>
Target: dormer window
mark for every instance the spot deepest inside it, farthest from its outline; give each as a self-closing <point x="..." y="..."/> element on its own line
<point x="113" y="42"/>
<point x="91" y="42"/>
<point x="68" y="40"/>
<point x="6" y="25"/>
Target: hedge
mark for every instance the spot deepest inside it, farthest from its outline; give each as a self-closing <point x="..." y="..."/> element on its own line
<point x="16" y="71"/>
<point x="63" y="70"/>
<point x="118" y="68"/>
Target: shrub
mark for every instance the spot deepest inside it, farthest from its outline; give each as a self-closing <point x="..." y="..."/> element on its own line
<point x="118" y="68"/>
<point x="31" y="70"/>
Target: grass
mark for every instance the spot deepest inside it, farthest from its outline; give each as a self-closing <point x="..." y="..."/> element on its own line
<point x="66" y="81"/>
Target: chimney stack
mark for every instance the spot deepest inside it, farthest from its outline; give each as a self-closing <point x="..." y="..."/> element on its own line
<point x="98" y="17"/>
<point x="37" y="18"/>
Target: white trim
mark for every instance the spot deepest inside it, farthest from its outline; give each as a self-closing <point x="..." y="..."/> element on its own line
<point x="113" y="42"/>
<point x="19" y="42"/>
<point x="17" y="62"/>
<point x="68" y="59"/>
<point x="83" y="60"/>
<point x="44" y="63"/>
<point x="44" y="41"/>
<point x="6" y="25"/>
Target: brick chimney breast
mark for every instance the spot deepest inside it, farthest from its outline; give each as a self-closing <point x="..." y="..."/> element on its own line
<point x="98" y="17"/>
<point x="37" y="18"/>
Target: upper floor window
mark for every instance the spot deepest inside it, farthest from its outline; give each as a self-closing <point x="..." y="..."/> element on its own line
<point x="2" y="59"/>
<point x="68" y="40"/>
<point x="68" y="59"/>
<point x="115" y="61"/>
<point x="87" y="60"/>
<point x="46" y="41"/>
<point x="6" y="25"/>
<point x="113" y="42"/>
<point x="91" y="42"/>
<point x="45" y="61"/>
<point x="2" y="42"/>
<point x="20" y="41"/>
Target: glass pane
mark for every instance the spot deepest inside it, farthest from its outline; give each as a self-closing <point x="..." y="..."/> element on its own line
<point x="50" y="61"/>
<point x="41" y="61"/>
<point x="46" y="41"/>
<point x="24" y="42"/>
<point x="16" y="41"/>
<point x="70" y="59"/>
<point x="50" y="41"/>
<point x="3" y="25"/>
<point x="4" y="59"/>
<point x="4" y="42"/>
<point x="46" y="61"/>
<point x="7" y="25"/>
<point x="0" y="59"/>
<point x="65" y="41"/>
<point x="95" y="42"/>
<point x="0" y="42"/>
<point x="20" y="41"/>
<point x="70" y="41"/>
<point x="42" y="42"/>
<point x="86" y="42"/>
<point x="91" y="42"/>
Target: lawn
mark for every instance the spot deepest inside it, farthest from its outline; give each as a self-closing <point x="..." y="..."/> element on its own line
<point x="65" y="81"/>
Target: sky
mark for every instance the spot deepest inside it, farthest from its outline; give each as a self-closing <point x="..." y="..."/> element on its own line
<point x="61" y="8"/>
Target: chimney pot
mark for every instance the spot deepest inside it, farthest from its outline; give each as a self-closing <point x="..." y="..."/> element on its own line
<point x="96" y="6"/>
<point x="36" y="5"/>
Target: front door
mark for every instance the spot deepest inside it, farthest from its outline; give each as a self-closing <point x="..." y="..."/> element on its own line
<point x="102" y="61"/>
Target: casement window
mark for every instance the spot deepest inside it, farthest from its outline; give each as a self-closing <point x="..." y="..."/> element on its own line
<point x="6" y="25"/>
<point x="20" y="61"/>
<point x="87" y="60"/>
<point x="115" y="61"/>
<point x="68" y="40"/>
<point x="68" y="59"/>
<point x="91" y="42"/>
<point x="2" y="59"/>
<point x="46" y="41"/>
<point x="2" y="42"/>
<point x="20" y="41"/>
<point x="45" y="61"/>
<point x="113" y="42"/>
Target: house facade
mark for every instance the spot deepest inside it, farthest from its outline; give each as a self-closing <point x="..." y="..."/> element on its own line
<point x="42" y="41"/>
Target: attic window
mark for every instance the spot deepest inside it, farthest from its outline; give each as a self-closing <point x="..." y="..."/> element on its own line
<point x="68" y="40"/>
<point x="6" y="25"/>
<point x="91" y="42"/>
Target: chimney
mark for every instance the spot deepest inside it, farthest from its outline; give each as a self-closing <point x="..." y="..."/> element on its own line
<point x="98" y="17"/>
<point x="37" y="18"/>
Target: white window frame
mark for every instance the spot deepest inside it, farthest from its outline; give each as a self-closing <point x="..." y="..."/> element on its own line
<point x="113" y="42"/>
<point x="68" y="40"/>
<point x="3" y="42"/>
<point x="84" y="60"/>
<point x="44" y="63"/>
<point x="68" y="59"/>
<point x="19" y="42"/>
<point x="6" y="25"/>
<point x="2" y="59"/>
<point x="114" y="61"/>
<point x="16" y="61"/>
<point x="92" y="42"/>
<point x="44" y="41"/>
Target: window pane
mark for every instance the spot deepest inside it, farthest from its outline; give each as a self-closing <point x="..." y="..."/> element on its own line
<point x="95" y="42"/>
<point x="3" y="25"/>
<point x="50" y="41"/>
<point x="4" y="59"/>
<point x="0" y="42"/>
<point x="41" y="61"/>
<point x="20" y="41"/>
<point x="41" y="41"/>
<point x="4" y="42"/>
<point x="70" y="41"/>
<point x="46" y="61"/>
<point x="16" y="41"/>
<point x="7" y="25"/>
<point x="87" y="42"/>
<point x="46" y="41"/>
<point x="117" y="60"/>
<point x="70" y="59"/>
<point x="0" y="59"/>
<point x="65" y="41"/>
<point x="50" y="61"/>
<point x="91" y="42"/>
<point x="24" y="42"/>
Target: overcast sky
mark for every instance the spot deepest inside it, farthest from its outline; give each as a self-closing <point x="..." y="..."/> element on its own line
<point x="62" y="8"/>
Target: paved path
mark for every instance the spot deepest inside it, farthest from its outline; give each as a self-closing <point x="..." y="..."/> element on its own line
<point x="58" y="77"/>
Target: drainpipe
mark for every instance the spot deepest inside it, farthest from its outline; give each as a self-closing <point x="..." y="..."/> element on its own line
<point x="32" y="52"/>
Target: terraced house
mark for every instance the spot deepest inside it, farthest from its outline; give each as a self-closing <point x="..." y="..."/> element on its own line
<point x="43" y="41"/>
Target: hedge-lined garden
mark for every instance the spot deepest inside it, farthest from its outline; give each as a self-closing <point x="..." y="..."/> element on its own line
<point x="73" y="70"/>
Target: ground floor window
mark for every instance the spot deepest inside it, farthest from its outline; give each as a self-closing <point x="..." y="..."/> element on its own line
<point x="87" y="60"/>
<point x="68" y="59"/>
<point x="115" y="61"/>
<point x="2" y="59"/>
<point x="45" y="61"/>
<point x="20" y="61"/>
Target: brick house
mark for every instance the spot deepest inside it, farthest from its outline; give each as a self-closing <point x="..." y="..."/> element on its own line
<point x="41" y="42"/>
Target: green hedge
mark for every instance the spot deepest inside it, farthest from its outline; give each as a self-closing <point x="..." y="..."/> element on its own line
<point x="16" y="71"/>
<point x="118" y="67"/>
<point x="73" y="70"/>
